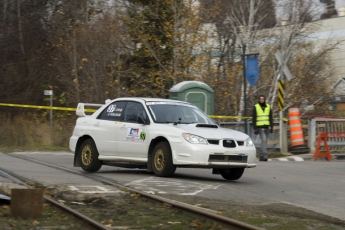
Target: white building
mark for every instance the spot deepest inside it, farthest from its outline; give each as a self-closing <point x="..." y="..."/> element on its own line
<point x="333" y="30"/>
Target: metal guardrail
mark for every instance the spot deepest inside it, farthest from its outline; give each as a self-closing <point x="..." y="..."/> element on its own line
<point x="310" y="130"/>
<point x="319" y="125"/>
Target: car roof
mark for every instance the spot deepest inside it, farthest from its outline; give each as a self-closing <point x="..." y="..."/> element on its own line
<point x="148" y="99"/>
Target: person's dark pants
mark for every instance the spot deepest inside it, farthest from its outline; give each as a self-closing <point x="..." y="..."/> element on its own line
<point x="264" y="133"/>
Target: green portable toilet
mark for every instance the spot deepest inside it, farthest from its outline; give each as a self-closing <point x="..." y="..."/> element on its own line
<point x="195" y="92"/>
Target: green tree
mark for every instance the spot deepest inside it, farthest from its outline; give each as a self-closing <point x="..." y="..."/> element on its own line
<point x="87" y="43"/>
<point x="22" y="43"/>
<point x="151" y="28"/>
<point x="167" y="37"/>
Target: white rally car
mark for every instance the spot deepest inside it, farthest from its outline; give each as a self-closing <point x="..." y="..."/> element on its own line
<point x="159" y="135"/>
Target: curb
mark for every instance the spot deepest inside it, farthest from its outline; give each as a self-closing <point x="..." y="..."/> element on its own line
<point x="306" y="157"/>
<point x="291" y="158"/>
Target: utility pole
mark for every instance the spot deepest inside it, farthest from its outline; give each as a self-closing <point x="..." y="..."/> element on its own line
<point x="282" y="59"/>
<point x="244" y="88"/>
<point x="281" y="140"/>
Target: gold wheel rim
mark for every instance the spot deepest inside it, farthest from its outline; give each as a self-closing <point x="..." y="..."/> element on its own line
<point x="159" y="159"/>
<point x="86" y="154"/>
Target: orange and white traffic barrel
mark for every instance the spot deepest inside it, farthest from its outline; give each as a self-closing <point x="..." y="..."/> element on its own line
<point x="297" y="144"/>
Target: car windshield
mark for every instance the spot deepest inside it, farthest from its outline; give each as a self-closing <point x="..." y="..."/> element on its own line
<point x="174" y="112"/>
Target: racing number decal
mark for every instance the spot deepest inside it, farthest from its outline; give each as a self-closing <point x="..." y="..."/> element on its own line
<point x="142" y="136"/>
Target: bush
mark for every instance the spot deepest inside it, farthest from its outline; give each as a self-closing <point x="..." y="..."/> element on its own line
<point x="31" y="130"/>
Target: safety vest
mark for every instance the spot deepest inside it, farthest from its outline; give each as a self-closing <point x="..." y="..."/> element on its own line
<point x="262" y="117"/>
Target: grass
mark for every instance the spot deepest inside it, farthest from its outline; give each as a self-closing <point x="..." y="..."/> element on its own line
<point x="32" y="132"/>
<point x="124" y="212"/>
<point x="275" y="154"/>
<point x="278" y="216"/>
<point x="52" y="218"/>
<point x="278" y="223"/>
<point x="136" y="212"/>
<point x="128" y="211"/>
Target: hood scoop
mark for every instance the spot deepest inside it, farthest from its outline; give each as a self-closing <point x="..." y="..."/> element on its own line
<point x="207" y="126"/>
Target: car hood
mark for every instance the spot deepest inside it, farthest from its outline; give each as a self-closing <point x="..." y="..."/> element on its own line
<point x="210" y="132"/>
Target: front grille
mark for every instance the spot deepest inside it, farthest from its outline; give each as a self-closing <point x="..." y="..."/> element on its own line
<point x="228" y="158"/>
<point x="229" y="143"/>
<point x="240" y="143"/>
<point x="213" y="142"/>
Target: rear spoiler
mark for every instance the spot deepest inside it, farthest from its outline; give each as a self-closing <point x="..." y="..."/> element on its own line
<point x="81" y="108"/>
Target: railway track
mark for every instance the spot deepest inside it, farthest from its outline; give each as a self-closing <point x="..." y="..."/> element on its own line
<point x="226" y="222"/>
<point x="25" y="182"/>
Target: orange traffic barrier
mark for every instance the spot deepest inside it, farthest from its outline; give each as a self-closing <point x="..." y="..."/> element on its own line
<point x="296" y="132"/>
<point x="323" y="137"/>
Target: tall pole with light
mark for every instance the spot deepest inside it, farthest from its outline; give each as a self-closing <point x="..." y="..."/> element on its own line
<point x="244" y="88"/>
<point x="282" y="58"/>
<point x="250" y="74"/>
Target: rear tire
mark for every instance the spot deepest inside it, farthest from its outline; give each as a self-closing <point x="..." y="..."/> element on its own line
<point x="162" y="164"/>
<point x="232" y="174"/>
<point x="88" y="156"/>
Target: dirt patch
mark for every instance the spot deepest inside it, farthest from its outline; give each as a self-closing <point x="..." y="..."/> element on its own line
<point x="270" y="216"/>
<point x="133" y="211"/>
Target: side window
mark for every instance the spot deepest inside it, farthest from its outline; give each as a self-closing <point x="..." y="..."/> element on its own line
<point x="132" y="111"/>
<point x="113" y="112"/>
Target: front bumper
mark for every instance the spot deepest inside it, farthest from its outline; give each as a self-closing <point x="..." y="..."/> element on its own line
<point x="213" y="156"/>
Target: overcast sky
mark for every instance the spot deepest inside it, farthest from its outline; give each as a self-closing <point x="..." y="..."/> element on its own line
<point x="317" y="8"/>
<point x="339" y="3"/>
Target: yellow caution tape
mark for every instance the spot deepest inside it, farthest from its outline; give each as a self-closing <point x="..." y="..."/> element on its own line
<point x="236" y="117"/>
<point x="93" y="110"/>
<point x="233" y="117"/>
<point x="44" y="107"/>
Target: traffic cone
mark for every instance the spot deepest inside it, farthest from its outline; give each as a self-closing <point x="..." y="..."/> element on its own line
<point x="296" y="133"/>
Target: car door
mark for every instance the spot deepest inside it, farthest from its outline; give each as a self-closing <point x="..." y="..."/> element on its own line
<point x="133" y="140"/>
<point x="105" y="132"/>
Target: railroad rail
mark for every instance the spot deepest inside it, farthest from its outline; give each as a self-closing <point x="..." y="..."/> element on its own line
<point x="210" y="214"/>
<point x="25" y="182"/>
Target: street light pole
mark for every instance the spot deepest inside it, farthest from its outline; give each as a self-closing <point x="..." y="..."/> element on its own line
<point x="282" y="137"/>
<point x="244" y="88"/>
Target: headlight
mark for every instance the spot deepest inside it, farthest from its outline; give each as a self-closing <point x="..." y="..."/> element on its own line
<point x="194" y="139"/>
<point x="249" y="143"/>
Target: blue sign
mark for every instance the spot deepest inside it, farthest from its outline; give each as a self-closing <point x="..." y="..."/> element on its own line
<point x="252" y="70"/>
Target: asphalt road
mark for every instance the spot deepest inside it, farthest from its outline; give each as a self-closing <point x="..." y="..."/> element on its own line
<point x="316" y="185"/>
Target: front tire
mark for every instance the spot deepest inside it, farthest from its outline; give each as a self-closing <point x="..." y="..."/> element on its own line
<point x="232" y="174"/>
<point x="88" y="156"/>
<point x="162" y="164"/>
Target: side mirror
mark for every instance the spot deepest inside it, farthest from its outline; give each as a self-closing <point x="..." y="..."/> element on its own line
<point x="143" y="121"/>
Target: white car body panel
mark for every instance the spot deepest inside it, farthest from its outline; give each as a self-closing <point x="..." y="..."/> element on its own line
<point x="120" y="141"/>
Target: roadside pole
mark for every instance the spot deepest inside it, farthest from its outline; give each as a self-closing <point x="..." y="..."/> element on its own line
<point x="50" y="93"/>
<point x="281" y="110"/>
<point x="282" y="58"/>
<point x="244" y="88"/>
<point x="250" y="74"/>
